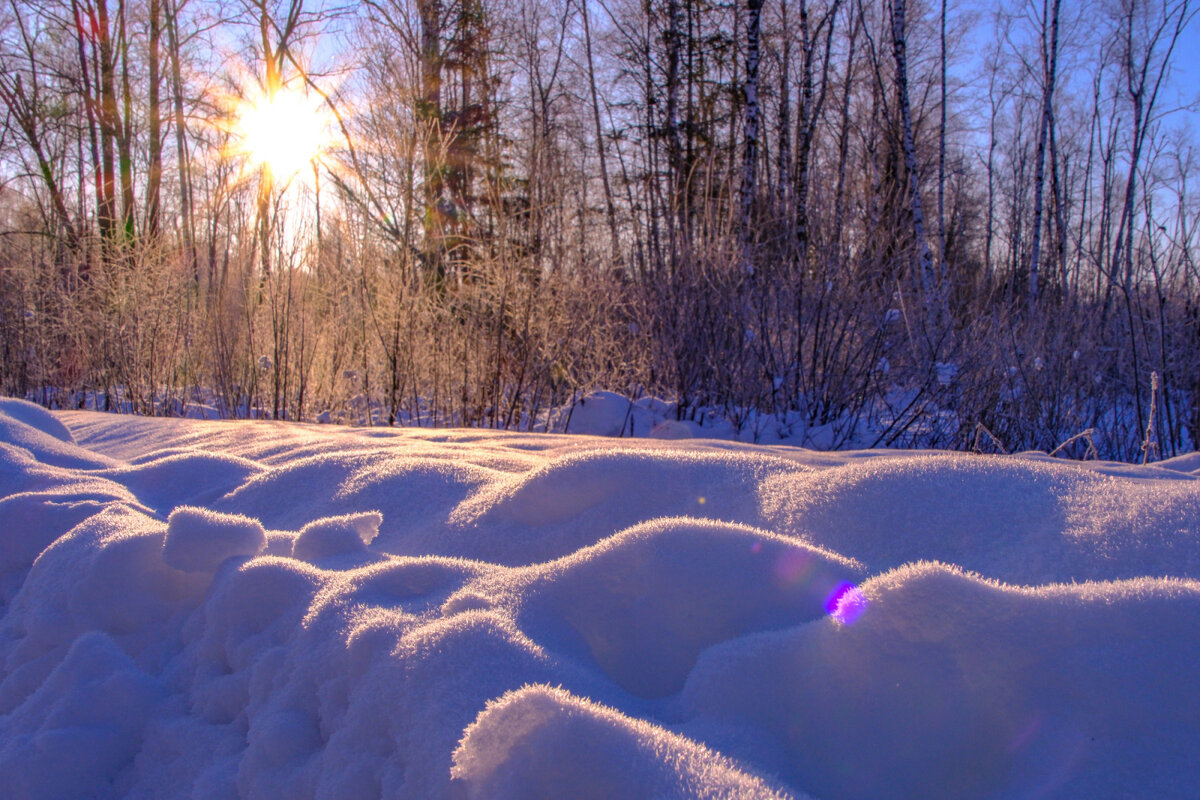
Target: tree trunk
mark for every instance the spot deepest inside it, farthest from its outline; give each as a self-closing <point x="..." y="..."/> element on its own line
<point x="941" y="185"/>
<point x="839" y="200"/>
<point x="125" y="135"/>
<point x="812" y="99"/>
<point x="610" y="206"/>
<point x="186" y="205"/>
<point x="936" y="315"/>
<point x="749" y="186"/>
<point x="1049" y="69"/>
<point x="679" y="178"/>
<point x="89" y="105"/>
<point x="24" y="110"/>
<point x="784" y="152"/>
<point x="109" y="122"/>
<point x="430" y="115"/>
<point x="154" y="122"/>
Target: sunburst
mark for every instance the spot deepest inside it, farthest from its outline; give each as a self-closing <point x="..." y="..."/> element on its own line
<point x="284" y="133"/>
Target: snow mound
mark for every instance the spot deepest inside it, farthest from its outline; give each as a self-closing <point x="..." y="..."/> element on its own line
<point x="29" y="523"/>
<point x="1016" y="519"/>
<point x="35" y="417"/>
<point x="335" y="536"/>
<point x="1189" y="462"/>
<point x="198" y="540"/>
<point x="94" y="706"/>
<point x="201" y="609"/>
<point x="643" y="604"/>
<point x="544" y="742"/>
<point x="975" y="689"/>
<point x="415" y="495"/>
<point x="44" y="437"/>
<point x="581" y="497"/>
<point x="600" y="414"/>
<point x="187" y="478"/>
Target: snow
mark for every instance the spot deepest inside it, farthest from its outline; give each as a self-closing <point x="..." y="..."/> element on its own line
<point x="192" y="608"/>
<point x="334" y="536"/>
<point x="543" y="742"/>
<point x="199" y="540"/>
<point x="600" y="414"/>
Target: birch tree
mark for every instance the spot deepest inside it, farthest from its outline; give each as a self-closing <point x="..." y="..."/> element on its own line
<point x="1049" y="51"/>
<point x="931" y="291"/>
<point x="749" y="185"/>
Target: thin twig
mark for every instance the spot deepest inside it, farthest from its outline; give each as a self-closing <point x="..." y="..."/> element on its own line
<point x="981" y="428"/>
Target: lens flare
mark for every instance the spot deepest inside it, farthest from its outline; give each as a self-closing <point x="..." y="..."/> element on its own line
<point x="845" y="603"/>
<point x="792" y="567"/>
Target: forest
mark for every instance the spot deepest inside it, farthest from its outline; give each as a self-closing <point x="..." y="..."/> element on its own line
<point x="911" y="223"/>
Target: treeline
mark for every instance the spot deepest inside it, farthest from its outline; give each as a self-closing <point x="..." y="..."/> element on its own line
<point x="891" y="219"/>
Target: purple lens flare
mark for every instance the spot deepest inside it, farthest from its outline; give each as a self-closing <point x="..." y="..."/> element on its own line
<point x="845" y="603"/>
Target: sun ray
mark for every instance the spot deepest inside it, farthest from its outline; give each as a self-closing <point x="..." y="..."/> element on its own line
<point x="283" y="133"/>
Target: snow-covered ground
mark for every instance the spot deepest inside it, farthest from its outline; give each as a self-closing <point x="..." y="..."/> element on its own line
<point x="596" y="413"/>
<point x="204" y="609"/>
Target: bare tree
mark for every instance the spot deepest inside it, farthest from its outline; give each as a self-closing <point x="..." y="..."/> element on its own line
<point x="749" y="185"/>
<point x="1049" y="52"/>
<point x="931" y="291"/>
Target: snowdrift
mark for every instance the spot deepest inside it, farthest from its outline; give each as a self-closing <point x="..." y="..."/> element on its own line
<point x="203" y="609"/>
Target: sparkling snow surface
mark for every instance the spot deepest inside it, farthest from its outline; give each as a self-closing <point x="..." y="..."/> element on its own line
<point x="210" y="610"/>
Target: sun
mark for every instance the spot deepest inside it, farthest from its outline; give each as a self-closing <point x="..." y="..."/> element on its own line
<point x="284" y="134"/>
